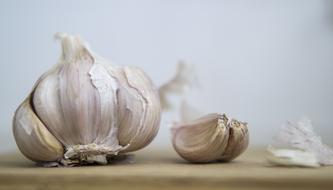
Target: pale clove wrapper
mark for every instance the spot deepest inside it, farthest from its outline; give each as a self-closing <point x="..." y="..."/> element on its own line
<point x="297" y="144"/>
<point x="291" y="157"/>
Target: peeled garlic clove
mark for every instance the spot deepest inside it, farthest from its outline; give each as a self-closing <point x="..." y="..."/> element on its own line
<point x="94" y="109"/>
<point x="213" y="137"/>
<point x="33" y="138"/>
<point x="238" y="140"/>
<point x="203" y="140"/>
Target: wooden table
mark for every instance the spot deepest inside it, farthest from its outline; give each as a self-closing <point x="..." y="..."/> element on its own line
<point x="163" y="169"/>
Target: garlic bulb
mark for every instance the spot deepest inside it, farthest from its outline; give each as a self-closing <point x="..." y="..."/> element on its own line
<point x="84" y="109"/>
<point x="213" y="137"/>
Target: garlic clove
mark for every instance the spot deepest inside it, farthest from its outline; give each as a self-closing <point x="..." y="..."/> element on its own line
<point x="238" y="140"/>
<point x="203" y="140"/>
<point x="48" y="108"/>
<point x="131" y="108"/>
<point x="145" y="104"/>
<point x="107" y="105"/>
<point x="65" y="100"/>
<point x="32" y="137"/>
<point x="213" y="137"/>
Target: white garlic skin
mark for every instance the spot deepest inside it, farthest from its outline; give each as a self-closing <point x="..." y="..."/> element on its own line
<point x="85" y="108"/>
<point x="213" y="137"/>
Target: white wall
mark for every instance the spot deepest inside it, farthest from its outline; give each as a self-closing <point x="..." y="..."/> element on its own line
<point x="259" y="61"/>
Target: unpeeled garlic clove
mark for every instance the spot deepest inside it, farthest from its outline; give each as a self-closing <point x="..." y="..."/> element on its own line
<point x="213" y="137"/>
<point x="32" y="137"/>
<point x="138" y="128"/>
<point x="202" y="140"/>
<point x="92" y="109"/>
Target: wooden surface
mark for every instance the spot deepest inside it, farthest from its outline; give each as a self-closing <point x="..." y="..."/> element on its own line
<point x="163" y="169"/>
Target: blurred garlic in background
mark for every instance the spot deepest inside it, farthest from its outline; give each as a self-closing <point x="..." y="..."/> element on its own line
<point x="291" y="157"/>
<point x="184" y="79"/>
<point x="299" y="145"/>
<point x="85" y="110"/>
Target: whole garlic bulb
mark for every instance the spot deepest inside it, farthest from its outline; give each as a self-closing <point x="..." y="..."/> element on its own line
<point x="213" y="137"/>
<point x="85" y="109"/>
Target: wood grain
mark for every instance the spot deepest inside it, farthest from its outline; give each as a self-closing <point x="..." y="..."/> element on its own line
<point x="163" y="169"/>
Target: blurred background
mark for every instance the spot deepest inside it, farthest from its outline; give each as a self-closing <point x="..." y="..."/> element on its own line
<point x="264" y="62"/>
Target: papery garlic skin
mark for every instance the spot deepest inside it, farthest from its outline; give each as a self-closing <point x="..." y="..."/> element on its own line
<point x="297" y="144"/>
<point x="291" y="157"/>
<point x="213" y="137"/>
<point x="91" y="108"/>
